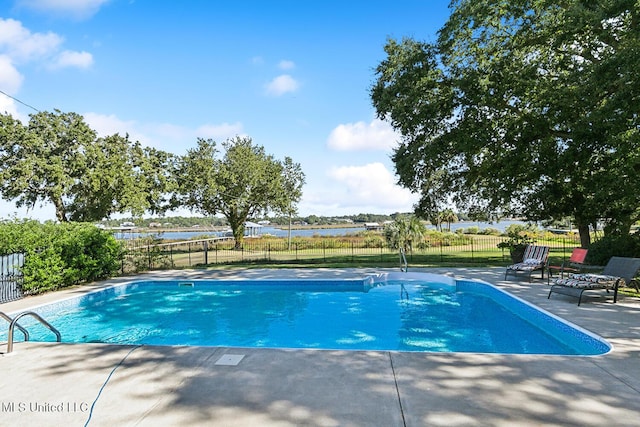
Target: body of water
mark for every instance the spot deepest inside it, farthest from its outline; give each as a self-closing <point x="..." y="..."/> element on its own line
<point x="306" y="232"/>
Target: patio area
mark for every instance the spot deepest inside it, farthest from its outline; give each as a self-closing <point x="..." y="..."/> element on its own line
<point x="51" y="384"/>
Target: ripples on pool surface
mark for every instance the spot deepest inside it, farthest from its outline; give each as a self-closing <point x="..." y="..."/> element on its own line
<point x="390" y="314"/>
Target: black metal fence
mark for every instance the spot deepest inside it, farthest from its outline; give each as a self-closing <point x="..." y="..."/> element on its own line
<point x="148" y="255"/>
<point x="460" y="249"/>
<point x="11" y="277"/>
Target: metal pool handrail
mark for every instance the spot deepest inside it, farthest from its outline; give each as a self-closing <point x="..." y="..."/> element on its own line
<point x="403" y="261"/>
<point x="9" y="319"/>
<point x="38" y="318"/>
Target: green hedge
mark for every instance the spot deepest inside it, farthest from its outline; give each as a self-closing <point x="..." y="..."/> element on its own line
<point x="59" y="255"/>
<point x="602" y="250"/>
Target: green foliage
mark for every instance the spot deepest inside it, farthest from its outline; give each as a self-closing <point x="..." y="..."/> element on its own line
<point x="519" y="236"/>
<point x="372" y="240"/>
<point x="404" y="232"/>
<point x="433" y="238"/>
<point x="245" y="183"/>
<point x="603" y="249"/>
<point x="59" y="255"/>
<point x="57" y="158"/>
<point x="522" y="107"/>
<point x="474" y="229"/>
<point x="145" y="254"/>
<point x="489" y="231"/>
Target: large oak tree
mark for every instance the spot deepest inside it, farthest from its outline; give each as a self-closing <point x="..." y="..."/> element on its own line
<point x="526" y="107"/>
<point x="57" y="158"/>
<point x="241" y="182"/>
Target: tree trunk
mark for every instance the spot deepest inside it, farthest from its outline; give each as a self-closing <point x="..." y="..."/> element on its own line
<point x="61" y="214"/>
<point x="289" y="237"/>
<point x="238" y="235"/>
<point x="237" y="228"/>
<point x="585" y="235"/>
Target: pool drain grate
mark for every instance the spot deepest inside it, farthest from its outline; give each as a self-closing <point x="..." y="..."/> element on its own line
<point x="230" y="360"/>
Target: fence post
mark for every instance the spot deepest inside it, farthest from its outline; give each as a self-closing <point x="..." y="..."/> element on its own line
<point x="205" y="246"/>
<point x="11" y="278"/>
<point x="324" y="251"/>
<point x="352" y="254"/>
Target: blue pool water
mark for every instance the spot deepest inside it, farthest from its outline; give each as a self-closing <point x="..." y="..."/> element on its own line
<point x="441" y="315"/>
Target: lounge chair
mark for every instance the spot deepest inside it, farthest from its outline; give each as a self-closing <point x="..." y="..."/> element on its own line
<point x="618" y="272"/>
<point x="535" y="258"/>
<point x="572" y="265"/>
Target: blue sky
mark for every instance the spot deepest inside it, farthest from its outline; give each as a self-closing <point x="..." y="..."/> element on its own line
<point x="292" y="75"/>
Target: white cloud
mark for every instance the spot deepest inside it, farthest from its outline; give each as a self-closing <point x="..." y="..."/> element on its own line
<point x="78" y="9"/>
<point x="21" y="44"/>
<point x="164" y="136"/>
<point x="221" y="131"/>
<point x="10" y="77"/>
<point x="281" y="85"/>
<point x="106" y="125"/>
<point x="286" y="65"/>
<point x="377" y="135"/>
<point x="10" y="82"/>
<point x="18" y="46"/>
<point x="73" y="59"/>
<point x="7" y="105"/>
<point x="363" y="189"/>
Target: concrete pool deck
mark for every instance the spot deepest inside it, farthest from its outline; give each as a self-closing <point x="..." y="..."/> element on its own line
<point x="51" y="384"/>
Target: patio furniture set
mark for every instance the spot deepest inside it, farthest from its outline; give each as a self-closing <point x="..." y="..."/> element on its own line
<point x="574" y="276"/>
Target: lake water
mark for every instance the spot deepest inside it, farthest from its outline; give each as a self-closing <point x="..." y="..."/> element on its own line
<point x="307" y="232"/>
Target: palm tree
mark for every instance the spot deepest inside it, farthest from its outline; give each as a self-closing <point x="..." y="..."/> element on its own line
<point x="436" y="219"/>
<point x="448" y="216"/>
<point x="404" y="232"/>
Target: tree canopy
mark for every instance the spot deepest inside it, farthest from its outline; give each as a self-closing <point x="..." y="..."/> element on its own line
<point x="58" y="158"/>
<point x="241" y="183"/>
<point x="521" y="107"/>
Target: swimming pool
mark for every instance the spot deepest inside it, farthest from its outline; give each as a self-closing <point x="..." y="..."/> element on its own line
<point x="403" y="312"/>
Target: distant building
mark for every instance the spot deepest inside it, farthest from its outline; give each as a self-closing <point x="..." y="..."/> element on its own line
<point x="347" y="220"/>
<point x="252" y="229"/>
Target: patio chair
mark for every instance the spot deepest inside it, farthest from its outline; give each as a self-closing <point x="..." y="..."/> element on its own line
<point x="535" y="258"/>
<point x="618" y="272"/>
<point x="573" y="265"/>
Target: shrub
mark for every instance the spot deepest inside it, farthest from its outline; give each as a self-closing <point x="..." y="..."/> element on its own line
<point x="489" y="231"/>
<point x="58" y="255"/>
<point x="474" y="229"/>
<point x="602" y="250"/>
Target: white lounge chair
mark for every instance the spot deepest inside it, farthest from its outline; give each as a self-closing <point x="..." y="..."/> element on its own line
<point x="535" y="258"/>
